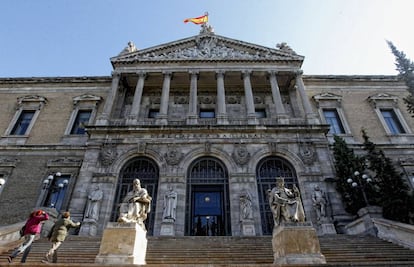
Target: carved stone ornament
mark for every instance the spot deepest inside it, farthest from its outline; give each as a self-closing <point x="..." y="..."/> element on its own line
<point x="209" y="47"/>
<point x="307" y="152"/>
<point x="107" y="154"/>
<point x="173" y="156"/>
<point x="241" y="155"/>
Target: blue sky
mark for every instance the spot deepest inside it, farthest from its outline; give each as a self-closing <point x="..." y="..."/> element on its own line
<point x="48" y="38"/>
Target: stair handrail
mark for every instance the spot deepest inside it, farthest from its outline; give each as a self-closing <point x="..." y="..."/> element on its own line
<point x="395" y="232"/>
<point x="9" y="234"/>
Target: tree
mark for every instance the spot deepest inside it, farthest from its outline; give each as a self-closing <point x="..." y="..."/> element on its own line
<point x="346" y="163"/>
<point x="405" y="67"/>
<point x="394" y="194"/>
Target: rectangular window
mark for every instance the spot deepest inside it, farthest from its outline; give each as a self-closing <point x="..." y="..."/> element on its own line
<point x="260" y="113"/>
<point x="207" y="113"/>
<point x="153" y="113"/>
<point x="332" y="118"/>
<point x="82" y="118"/>
<point x="392" y="121"/>
<point x="23" y="122"/>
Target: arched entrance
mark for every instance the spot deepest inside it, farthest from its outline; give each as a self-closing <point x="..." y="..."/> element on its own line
<point x="208" y="205"/>
<point x="267" y="170"/>
<point x="147" y="171"/>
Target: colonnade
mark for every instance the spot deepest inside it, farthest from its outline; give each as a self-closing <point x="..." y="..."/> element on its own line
<point x="192" y="115"/>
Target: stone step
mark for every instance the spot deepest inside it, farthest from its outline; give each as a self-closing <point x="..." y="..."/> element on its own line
<point x="339" y="250"/>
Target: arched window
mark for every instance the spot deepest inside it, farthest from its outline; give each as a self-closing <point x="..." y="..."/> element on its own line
<point x="208" y="209"/>
<point x="266" y="172"/>
<point x="147" y="171"/>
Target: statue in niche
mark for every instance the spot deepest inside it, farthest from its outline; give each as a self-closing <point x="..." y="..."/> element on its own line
<point x="319" y="203"/>
<point x="94" y="204"/>
<point x="246" y="211"/>
<point x="135" y="206"/>
<point x="170" y="205"/>
<point x="285" y="203"/>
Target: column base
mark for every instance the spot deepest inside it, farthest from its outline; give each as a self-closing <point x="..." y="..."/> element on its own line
<point x="167" y="228"/>
<point x="89" y="227"/>
<point x="247" y="228"/>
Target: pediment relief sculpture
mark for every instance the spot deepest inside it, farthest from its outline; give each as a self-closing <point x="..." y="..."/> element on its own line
<point x="207" y="47"/>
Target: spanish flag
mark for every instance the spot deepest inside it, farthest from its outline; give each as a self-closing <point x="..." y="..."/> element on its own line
<point x="198" y="20"/>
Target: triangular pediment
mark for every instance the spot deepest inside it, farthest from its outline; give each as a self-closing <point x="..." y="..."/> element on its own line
<point x="207" y="47"/>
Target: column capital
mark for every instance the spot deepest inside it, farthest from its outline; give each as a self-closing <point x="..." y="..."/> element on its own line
<point x="167" y="73"/>
<point x="298" y="72"/>
<point x="141" y="74"/>
<point x="246" y="73"/>
<point x="116" y="74"/>
<point x="272" y="72"/>
<point x="220" y="73"/>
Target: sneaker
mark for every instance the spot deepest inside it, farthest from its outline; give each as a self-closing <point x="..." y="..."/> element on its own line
<point x="45" y="261"/>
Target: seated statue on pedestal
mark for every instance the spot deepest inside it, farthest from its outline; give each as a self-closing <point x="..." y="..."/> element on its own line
<point x="285" y="203"/>
<point x="135" y="206"/>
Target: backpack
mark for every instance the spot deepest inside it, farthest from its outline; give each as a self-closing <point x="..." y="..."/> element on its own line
<point x="21" y="232"/>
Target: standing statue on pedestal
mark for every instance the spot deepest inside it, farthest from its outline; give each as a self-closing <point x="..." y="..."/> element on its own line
<point x="319" y="203"/>
<point x="93" y="205"/>
<point x="285" y="203"/>
<point x="135" y="206"/>
<point x="170" y="205"/>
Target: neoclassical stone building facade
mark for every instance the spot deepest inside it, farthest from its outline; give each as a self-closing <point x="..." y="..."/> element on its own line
<point x="209" y="118"/>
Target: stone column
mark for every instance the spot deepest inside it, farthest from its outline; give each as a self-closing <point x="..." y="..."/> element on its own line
<point x="192" y="108"/>
<point x="300" y="87"/>
<point x="162" y="117"/>
<point x="136" y="104"/>
<point x="277" y="99"/>
<point x="111" y="98"/>
<point x="251" y="112"/>
<point x="221" y="99"/>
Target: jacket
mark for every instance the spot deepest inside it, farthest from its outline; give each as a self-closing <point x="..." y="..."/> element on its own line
<point x="61" y="228"/>
<point x="33" y="224"/>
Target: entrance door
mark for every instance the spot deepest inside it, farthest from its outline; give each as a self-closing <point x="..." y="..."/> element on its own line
<point x="208" y="205"/>
<point x="208" y="211"/>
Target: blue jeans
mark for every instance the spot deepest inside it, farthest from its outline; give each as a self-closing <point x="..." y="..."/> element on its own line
<point x="24" y="247"/>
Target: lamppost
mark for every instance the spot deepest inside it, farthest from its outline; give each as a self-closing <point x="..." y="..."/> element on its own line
<point x="53" y="189"/>
<point x="2" y="182"/>
<point x="361" y="181"/>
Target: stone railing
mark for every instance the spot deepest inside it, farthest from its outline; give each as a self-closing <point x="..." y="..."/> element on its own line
<point x="9" y="235"/>
<point x="395" y="232"/>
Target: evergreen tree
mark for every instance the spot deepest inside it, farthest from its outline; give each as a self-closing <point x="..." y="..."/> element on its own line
<point x="394" y="194"/>
<point x="405" y="67"/>
<point x="346" y="163"/>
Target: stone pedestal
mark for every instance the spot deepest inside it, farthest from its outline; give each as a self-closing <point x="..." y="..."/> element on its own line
<point x="122" y="243"/>
<point x="327" y="229"/>
<point x="247" y="228"/>
<point x="296" y="243"/>
<point x="89" y="227"/>
<point x="167" y="228"/>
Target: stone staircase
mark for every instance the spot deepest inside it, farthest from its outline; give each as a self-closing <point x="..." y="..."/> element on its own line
<point x="339" y="250"/>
